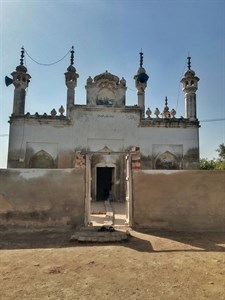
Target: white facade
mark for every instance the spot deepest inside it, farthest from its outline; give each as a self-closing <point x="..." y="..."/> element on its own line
<point x="105" y="129"/>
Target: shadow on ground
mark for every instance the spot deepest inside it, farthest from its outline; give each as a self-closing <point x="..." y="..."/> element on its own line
<point x="185" y="241"/>
<point x="140" y="240"/>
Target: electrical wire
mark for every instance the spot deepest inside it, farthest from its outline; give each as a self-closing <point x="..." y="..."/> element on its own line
<point x="43" y="64"/>
<point x="131" y="89"/>
<point x="209" y="120"/>
<point x="179" y="87"/>
<point x="213" y="120"/>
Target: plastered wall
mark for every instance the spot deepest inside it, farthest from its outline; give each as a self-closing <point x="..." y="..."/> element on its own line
<point x="41" y="198"/>
<point x="161" y="200"/>
<point x="92" y="128"/>
<point x="179" y="200"/>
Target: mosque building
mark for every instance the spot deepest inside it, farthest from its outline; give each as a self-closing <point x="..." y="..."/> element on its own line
<point x="104" y="132"/>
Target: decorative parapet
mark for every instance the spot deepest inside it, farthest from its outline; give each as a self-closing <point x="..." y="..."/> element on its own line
<point x="166" y="118"/>
<point x="53" y="114"/>
<point x="42" y="117"/>
<point x="168" y="122"/>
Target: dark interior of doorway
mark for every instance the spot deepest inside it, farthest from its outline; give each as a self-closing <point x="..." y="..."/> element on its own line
<point x="104" y="182"/>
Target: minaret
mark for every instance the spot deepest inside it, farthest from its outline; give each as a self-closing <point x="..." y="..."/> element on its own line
<point x="21" y="80"/>
<point x="190" y="86"/>
<point x="71" y="81"/>
<point x="141" y="79"/>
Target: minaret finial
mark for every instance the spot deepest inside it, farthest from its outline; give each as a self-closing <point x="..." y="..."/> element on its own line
<point x="72" y="56"/>
<point x="166" y="101"/>
<point x="189" y="61"/>
<point x="22" y="56"/>
<point x="141" y="58"/>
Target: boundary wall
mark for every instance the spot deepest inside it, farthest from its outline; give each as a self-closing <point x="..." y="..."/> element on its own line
<point x="179" y="200"/>
<point x="41" y="197"/>
<point x="162" y="200"/>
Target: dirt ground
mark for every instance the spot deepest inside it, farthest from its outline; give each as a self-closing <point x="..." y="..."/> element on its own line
<point x="151" y="265"/>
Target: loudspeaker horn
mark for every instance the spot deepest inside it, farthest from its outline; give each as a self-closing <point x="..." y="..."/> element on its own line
<point x="8" y="81"/>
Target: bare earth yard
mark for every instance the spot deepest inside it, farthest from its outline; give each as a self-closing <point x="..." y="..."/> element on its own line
<point x="154" y="265"/>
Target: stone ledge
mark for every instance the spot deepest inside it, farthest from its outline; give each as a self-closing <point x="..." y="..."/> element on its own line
<point x="91" y="234"/>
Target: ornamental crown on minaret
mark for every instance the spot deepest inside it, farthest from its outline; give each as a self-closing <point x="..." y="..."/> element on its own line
<point x="71" y="75"/>
<point x="21" y="78"/>
<point x="141" y="77"/>
<point x="189" y="81"/>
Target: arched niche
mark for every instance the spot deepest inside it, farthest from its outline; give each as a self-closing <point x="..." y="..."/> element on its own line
<point x="42" y="160"/>
<point x="105" y="97"/>
<point x="167" y="161"/>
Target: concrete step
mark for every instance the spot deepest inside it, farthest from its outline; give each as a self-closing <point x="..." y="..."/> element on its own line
<point x="94" y="235"/>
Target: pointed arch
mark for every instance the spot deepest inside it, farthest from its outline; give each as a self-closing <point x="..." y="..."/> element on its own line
<point x="167" y="161"/>
<point x="42" y="160"/>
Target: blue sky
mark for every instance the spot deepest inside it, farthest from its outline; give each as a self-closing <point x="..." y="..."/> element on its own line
<point x="108" y="35"/>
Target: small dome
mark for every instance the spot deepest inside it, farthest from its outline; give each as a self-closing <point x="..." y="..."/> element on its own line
<point x="123" y="81"/>
<point x="141" y="70"/>
<point x="71" y="69"/>
<point x="89" y="80"/>
<point x="21" y="68"/>
<point x="108" y="76"/>
<point x="189" y="73"/>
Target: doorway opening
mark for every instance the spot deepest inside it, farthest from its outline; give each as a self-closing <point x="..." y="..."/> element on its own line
<point x="104" y="182"/>
<point x="101" y="178"/>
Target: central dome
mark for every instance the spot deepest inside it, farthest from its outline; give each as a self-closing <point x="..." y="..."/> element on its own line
<point x="108" y="76"/>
